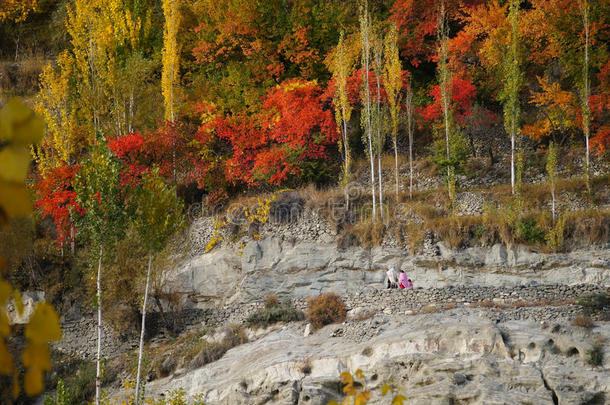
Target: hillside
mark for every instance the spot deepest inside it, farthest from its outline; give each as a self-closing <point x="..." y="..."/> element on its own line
<point x="200" y="201"/>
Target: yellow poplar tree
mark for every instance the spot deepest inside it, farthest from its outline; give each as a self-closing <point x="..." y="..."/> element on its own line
<point x="392" y="83"/>
<point x="341" y="67"/>
<point x="171" y="56"/>
<point x="54" y="105"/>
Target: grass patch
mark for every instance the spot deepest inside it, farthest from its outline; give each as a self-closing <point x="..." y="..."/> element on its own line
<point x="593" y="303"/>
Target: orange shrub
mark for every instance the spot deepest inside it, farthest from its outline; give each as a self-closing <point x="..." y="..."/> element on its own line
<point x="325" y="309"/>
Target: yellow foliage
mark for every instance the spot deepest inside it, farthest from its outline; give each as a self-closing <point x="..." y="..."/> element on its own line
<point x="54" y="106"/>
<point x="357" y="393"/>
<point x="19" y="129"/>
<point x="17" y="10"/>
<point x="170" y="57"/>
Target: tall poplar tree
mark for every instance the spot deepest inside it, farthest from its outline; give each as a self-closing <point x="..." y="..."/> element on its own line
<point x="341" y="67"/>
<point x="158" y="217"/>
<point x="365" y="94"/>
<point x="170" y="59"/>
<point x="104" y="198"/>
<point x="392" y="83"/>
<point x="378" y="119"/>
<point x="510" y="96"/>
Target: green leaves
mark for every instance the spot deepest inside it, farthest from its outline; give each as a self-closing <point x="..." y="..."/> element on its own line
<point x="159" y="211"/>
<point x="103" y="197"/>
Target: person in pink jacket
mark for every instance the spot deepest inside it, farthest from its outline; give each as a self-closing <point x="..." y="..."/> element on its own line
<point x="402" y="279"/>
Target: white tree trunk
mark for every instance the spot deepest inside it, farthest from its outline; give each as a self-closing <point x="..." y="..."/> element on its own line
<point x="410" y="131"/>
<point x="380" y="185"/>
<point x="512" y="162"/>
<point x="139" y="374"/>
<point x="553" y="201"/>
<point x="346" y="151"/>
<point x="98" y="374"/>
<point x="396" y="166"/>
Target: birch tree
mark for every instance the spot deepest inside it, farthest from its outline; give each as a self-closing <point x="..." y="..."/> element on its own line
<point x="104" y="199"/>
<point x="158" y="217"/>
<point x="378" y="121"/>
<point x="365" y="94"/>
<point x="392" y="83"/>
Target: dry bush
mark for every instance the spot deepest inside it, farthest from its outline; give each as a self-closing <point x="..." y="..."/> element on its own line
<point x="325" y="309"/>
<point x="582" y="321"/>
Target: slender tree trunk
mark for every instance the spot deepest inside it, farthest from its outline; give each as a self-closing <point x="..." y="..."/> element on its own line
<point x="553" y="201"/>
<point x="379" y="170"/>
<point x="98" y="373"/>
<point x="346" y="151"/>
<point x="72" y="244"/>
<point x="410" y="133"/>
<point x="512" y="162"/>
<point x="396" y="166"/>
<point x="139" y="374"/>
<point x="372" y="158"/>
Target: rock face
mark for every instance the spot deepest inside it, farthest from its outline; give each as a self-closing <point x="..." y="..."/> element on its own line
<point x="459" y="356"/>
<point x="276" y="266"/>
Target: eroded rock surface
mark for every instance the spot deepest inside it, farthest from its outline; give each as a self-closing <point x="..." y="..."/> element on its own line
<point x="457" y="356"/>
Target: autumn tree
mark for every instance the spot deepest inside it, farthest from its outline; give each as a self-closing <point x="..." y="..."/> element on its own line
<point x="20" y="128"/>
<point x="104" y="198"/>
<point x="392" y="83"/>
<point x="378" y="119"/>
<point x="510" y="95"/>
<point x="551" y="169"/>
<point x="158" y="216"/>
<point x="170" y="56"/>
<point x="558" y="111"/>
<point x="366" y="113"/>
<point x="410" y="122"/>
<point x="341" y="67"/>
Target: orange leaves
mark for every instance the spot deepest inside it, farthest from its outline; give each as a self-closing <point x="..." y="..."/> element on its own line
<point x="559" y="110"/>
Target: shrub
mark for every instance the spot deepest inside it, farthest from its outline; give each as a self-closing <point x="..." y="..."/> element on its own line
<point x="595" y="355"/>
<point x="325" y="309"/>
<point x="583" y="322"/>
<point x="592" y="303"/>
<point x="274" y="311"/>
<point x="529" y="231"/>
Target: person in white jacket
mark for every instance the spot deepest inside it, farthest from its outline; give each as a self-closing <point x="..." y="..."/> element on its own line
<point x="392" y="277"/>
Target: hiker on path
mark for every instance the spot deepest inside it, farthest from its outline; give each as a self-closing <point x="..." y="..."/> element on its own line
<point x="392" y="277"/>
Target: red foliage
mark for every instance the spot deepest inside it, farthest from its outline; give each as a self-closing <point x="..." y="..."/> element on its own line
<point x="600" y="112"/>
<point x="166" y="147"/>
<point x="417" y="22"/>
<point x="463" y="94"/>
<point x="295" y="125"/>
<point x="56" y="198"/>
